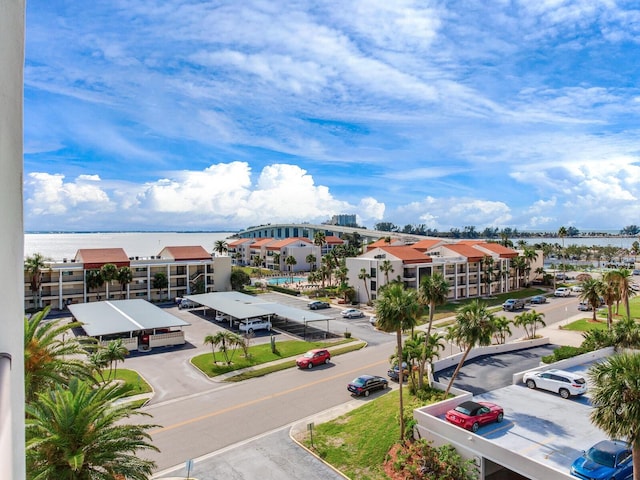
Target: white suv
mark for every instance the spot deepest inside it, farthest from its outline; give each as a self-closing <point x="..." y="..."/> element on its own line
<point x="254" y="324"/>
<point x="562" y="292"/>
<point x="562" y="382"/>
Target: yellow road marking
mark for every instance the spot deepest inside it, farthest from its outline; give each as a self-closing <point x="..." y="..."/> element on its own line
<point x="258" y="400"/>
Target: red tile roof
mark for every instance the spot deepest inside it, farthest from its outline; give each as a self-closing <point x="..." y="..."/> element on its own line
<point x="466" y="250"/>
<point x="333" y="240"/>
<point x="97" y="257"/>
<point x="504" y="252"/>
<point x="237" y="242"/>
<point x="427" y="244"/>
<point x="261" y="242"/>
<point x="278" y="244"/>
<point x="407" y="254"/>
<point x="382" y="243"/>
<point x="185" y="253"/>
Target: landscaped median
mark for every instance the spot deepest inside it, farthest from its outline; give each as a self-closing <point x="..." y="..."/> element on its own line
<point x="265" y="358"/>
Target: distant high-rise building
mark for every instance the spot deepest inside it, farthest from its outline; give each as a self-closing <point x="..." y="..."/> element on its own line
<point x="344" y="220"/>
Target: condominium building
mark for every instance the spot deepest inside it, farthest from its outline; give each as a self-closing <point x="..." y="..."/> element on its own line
<point x="174" y="272"/>
<point x="472" y="268"/>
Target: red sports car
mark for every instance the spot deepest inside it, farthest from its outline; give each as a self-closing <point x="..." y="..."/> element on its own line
<point x="471" y="415"/>
<point x="313" y="358"/>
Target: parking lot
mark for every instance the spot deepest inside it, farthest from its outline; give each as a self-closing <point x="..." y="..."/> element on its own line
<point x="542" y="426"/>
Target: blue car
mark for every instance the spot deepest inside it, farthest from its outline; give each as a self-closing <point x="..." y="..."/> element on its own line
<point x="606" y="460"/>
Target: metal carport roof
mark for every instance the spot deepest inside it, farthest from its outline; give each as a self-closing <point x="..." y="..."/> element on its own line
<point x="243" y="306"/>
<point x="119" y="316"/>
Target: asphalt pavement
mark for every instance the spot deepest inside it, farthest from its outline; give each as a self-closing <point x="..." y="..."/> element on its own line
<point x="277" y="454"/>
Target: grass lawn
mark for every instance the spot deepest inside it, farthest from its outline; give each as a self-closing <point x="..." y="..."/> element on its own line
<point x="131" y="378"/>
<point x="584" y="325"/>
<point x="258" y="354"/>
<point x="357" y="442"/>
<point x="496" y="300"/>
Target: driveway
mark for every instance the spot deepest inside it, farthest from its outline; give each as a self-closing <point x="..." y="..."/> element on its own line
<point x="484" y="374"/>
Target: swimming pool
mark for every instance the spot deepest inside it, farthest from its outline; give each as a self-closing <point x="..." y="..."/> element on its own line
<point x="283" y="280"/>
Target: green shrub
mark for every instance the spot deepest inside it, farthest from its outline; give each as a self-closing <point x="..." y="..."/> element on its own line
<point x="288" y="291"/>
<point x="564" y="352"/>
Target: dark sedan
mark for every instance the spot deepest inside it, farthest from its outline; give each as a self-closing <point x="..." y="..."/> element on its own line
<point x="365" y="384"/>
<point x="539" y="299"/>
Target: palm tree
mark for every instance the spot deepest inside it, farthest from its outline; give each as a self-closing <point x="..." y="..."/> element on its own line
<point x="386" y="267"/>
<point x="220" y="247"/>
<point x="78" y="433"/>
<point x="311" y="260"/>
<point x="502" y="329"/>
<point x="474" y="327"/>
<point x="610" y="294"/>
<point x="291" y="262"/>
<point x="125" y="277"/>
<point x="423" y="349"/>
<point x="364" y="276"/>
<point x="276" y="260"/>
<point x="109" y="272"/>
<point x="93" y="280"/>
<point x="488" y="262"/>
<point x="49" y="357"/>
<point x="626" y="333"/>
<point x="160" y="282"/>
<point x="562" y="232"/>
<point x="592" y="291"/>
<point x="225" y="341"/>
<point x="320" y="239"/>
<point x="615" y="396"/>
<point x="114" y="352"/>
<point x="434" y="290"/>
<point x="213" y="341"/>
<point x="33" y="267"/>
<point x="622" y="279"/>
<point x="529" y="321"/>
<point x="519" y="265"/>
<point x="398" y="309"/>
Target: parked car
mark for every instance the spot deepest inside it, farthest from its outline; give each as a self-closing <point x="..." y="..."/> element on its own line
<point x="561" y="382"/>
<point x="221" y="317"/>
<point x="562" y="292"/>
<point x="539" y="299"/>
<point x="577" y="289"/>
<point x="513" y="304"/>
<point x="314" y="357"/>
<point x="254" y="324"/>
<point x="373" y="320"/>
<point x="365" y="384"/>
<point x="394" y="372"/>
<point x="352" y="313"/>
<point x="186" y="303"/>
<point x="317" y="305"/>
<point x="471" y="415"/>
<point x="584" y="306"/>
<point x="607" y="459"/>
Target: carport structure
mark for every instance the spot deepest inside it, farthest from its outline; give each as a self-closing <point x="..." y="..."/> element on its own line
<point x="242" y="307"/>
<point x="140" y="324"/>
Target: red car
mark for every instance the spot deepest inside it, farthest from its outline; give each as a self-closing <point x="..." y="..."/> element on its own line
<point x="313" y="358"/>
<point x="471" y="415"/>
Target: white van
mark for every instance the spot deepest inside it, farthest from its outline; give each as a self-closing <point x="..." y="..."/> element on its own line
<point x="255" y="324"/>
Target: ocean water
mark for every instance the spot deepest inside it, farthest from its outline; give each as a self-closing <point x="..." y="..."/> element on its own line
<point x="58" y="246"/>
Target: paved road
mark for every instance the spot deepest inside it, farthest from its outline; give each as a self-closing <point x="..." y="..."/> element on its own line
<point x="270" y="456"/>
<point x="197" y="424"/>
<point x="214" y="417"/>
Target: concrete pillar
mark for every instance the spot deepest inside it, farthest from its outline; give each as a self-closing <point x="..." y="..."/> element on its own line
<point x="12" y="18"/>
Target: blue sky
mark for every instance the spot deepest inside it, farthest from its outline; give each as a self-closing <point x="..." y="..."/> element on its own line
<point x="218" y="115"/>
